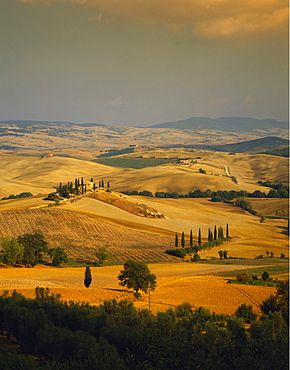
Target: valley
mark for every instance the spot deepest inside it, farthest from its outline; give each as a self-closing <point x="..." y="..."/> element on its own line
<point x="141" y="227"/>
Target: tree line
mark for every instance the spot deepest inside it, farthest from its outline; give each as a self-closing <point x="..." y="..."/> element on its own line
<point x="116" y="335"/>
<point x="24" y="194"/>
<point x="28" y="249"/>
<point x="277" y="191"/>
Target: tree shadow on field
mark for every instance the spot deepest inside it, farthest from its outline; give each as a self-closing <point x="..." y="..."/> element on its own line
<point x="281" y="229"/>
<point x="118" y="290"/>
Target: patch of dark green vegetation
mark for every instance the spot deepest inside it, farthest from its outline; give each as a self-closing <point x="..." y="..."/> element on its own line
<point x="282" y="152"/>
<point x="135" y="163"/>
<point x="114" y="152"/>
<point x="116" y="335"/>
<point x="21" y="195"/>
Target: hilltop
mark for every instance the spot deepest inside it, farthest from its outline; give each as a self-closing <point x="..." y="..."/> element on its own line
<point x="239" y="124"/>
<point x="253" y="146"/>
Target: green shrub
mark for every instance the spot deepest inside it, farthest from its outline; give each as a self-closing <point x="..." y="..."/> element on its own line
<point x="195" y="258"/>
<point x="265" y="276"/>
<point x="243" y="276"/>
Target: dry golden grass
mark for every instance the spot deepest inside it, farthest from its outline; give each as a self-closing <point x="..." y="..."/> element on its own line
<point x="19" y="173"/>
<point x="176" y="284"/>
<point x="81" y="226"/>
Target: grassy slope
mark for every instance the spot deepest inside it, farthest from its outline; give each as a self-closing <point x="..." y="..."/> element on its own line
<point x="176" y="282"/>
<point x="40" y="175"/>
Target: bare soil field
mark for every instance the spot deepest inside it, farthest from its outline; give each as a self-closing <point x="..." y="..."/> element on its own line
<point x="176" y="284"/>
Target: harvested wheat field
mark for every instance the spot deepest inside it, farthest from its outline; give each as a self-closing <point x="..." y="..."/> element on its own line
<point x="176" y="284"/>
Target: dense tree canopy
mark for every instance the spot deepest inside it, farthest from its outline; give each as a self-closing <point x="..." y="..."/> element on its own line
<point x="12" y="251"/>
<point x="58" y="256"/>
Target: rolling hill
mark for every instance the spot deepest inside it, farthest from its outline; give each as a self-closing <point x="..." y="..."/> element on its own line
<point x="253" y="146"/>
<point x="239" y="124"/>
<point x="40" y="175"/>
<point x="89" y="140"/>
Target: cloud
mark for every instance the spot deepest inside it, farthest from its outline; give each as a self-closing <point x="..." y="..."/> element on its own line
<point x="205" y="18"/>
<point x="116" y="102"/>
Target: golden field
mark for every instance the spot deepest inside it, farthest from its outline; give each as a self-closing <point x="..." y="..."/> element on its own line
<point x="176" y="284"/>
<point x="81" y="226"/>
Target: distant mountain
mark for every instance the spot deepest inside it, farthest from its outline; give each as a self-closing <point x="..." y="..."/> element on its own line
<point x="239" y="124"/>
<point x="24" y="123"/>
<point x="253" y="146"/>
<point x="91" y="124"/>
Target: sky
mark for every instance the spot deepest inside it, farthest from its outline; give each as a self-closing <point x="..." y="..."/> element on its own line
<point x="143" y="62"/>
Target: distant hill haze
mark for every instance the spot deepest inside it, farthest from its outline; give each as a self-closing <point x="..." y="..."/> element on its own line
<point x="254" y="146"/>
<point x="239" y="124"/>
<point x="88" y="140"/>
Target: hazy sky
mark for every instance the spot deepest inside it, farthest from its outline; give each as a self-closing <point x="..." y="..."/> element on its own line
<point x="142" y="62"/>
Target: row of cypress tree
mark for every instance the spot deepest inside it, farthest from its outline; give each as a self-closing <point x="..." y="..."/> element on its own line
<point x="217" y="233"/>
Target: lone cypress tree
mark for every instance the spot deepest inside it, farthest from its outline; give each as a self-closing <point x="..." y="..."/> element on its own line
<point x="176" y="240"/>
<point x="190" y="239"/>
<point x="199" y="237"/>
<point x="88" y="277"/>
<point x="227" y="231"/>
<point x="182" y="240"/>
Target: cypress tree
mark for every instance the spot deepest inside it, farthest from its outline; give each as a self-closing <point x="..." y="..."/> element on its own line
<point x="92" y="180"/>
<point x="220" y="232"/>
<point x="190" y="239"/>
<point x="215" y="233"/>
<point x="108" y="185"/>
<point x="88" y="277"/>
<point x="211" y="236"/>
<point x="176" y="240"/>
<point x="100" y="184"/>
<point x="208" y="237"/>
<point x="199" y="237"/>
<point x="227" y="231"/>
<point x="103" y="184"/>
<point x="94" y="186"/>
<point x="182" y="240"/>
<point x="82" y="185"/>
